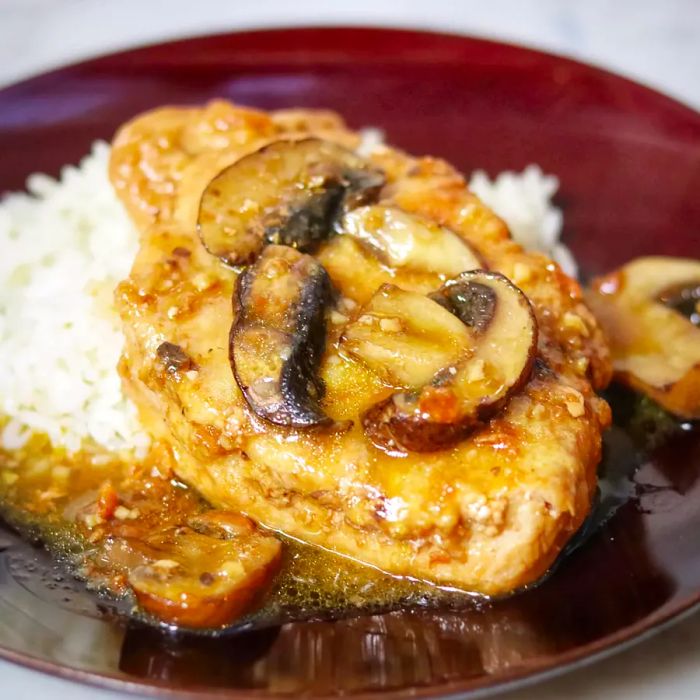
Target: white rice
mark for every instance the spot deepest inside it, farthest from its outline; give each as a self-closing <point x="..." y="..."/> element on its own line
<point x="65" y="246"/>
<point x="524" y="202"/>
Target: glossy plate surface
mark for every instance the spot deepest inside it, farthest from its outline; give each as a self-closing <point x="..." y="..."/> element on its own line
<point x="629" y="164"/>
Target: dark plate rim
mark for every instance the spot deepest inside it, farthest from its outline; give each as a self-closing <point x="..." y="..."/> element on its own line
<point x="379" y="28"/>
<point x="526" y="675"/>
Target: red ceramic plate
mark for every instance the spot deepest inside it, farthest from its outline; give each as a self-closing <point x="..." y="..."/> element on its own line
<point x="629" y="164"/>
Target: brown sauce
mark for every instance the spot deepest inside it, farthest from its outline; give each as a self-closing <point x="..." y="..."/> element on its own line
<point x="80" y="505"/>
<point x="77" y="505"/>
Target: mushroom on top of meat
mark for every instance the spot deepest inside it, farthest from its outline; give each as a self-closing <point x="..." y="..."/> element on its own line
<point x="402" y="239"/>
<point x="279" y="335"/>
<point x="457" y="355"/>
<point x="393" y="246"/>
<point x="288" y="192"/>
<point x="405" y="337"/>
<point x="461" y="354"/>
<point x="650" y="311"/>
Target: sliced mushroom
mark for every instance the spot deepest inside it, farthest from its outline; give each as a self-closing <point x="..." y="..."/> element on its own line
<point x="279" y="335"/>
<point x="407" y="240"/>
<point x="342" y="256"/>
<point x="684" y="298"/>
<point x="646" y="309"/>
<point x="493" y="364"/>
<point x="174" y="358"/>
<point x="288" y="192"/>
<point x="211" y="573"/>
<point x="405" y="337"/>
<point x="474" y="303"/>
<point x="224" y="524"/>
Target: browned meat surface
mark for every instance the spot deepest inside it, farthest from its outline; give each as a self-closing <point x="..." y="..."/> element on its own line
<point x="454" y="439"/>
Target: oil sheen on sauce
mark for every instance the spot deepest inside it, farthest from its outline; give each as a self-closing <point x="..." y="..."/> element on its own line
<point x="54" y="497"/>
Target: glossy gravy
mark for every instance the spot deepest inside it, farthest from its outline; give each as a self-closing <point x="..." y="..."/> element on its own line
<point x="80" y="505"/>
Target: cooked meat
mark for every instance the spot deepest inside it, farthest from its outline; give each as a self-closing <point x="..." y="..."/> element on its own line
<point x="488" y="510"/>
<point x="461" y="395"/>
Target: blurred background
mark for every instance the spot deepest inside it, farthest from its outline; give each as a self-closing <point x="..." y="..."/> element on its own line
<point x="655" y="41"/>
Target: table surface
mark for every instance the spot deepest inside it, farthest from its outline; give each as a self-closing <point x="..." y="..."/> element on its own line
<point x="651" y="41"/>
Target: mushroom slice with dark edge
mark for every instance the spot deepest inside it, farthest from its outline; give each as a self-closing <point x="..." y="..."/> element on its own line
<point x="495" y="363"/>
<point x="407" y="240"/>
<point x="684" y="298"/>
<point x="288" y="192"/>
<point x="211" y="572"/>
<point x="405" y="337"/>
<point x="279" y="334"/>
<point x="174" y="358"/>
<point x="646" y="309"/>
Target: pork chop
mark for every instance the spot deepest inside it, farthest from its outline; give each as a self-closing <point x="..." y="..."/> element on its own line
<point x="485" y="505"/>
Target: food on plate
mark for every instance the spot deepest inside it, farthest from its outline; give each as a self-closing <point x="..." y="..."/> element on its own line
<point x="279" y="335"/>
<point x="476" y="382"/>
<point x="472" y="473"/>
<point x="289" y="193"/>
<point x="403" y="240"/>
<point x="222" y="563"/>
<point x="650" y="311"/>
<point x="325" y="341"/>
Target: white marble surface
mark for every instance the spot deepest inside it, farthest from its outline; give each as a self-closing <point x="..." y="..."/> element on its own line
<point x="655" y="41"/>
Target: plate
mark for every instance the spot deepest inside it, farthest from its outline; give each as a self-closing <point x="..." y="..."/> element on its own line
<point x="628" y="160"/>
